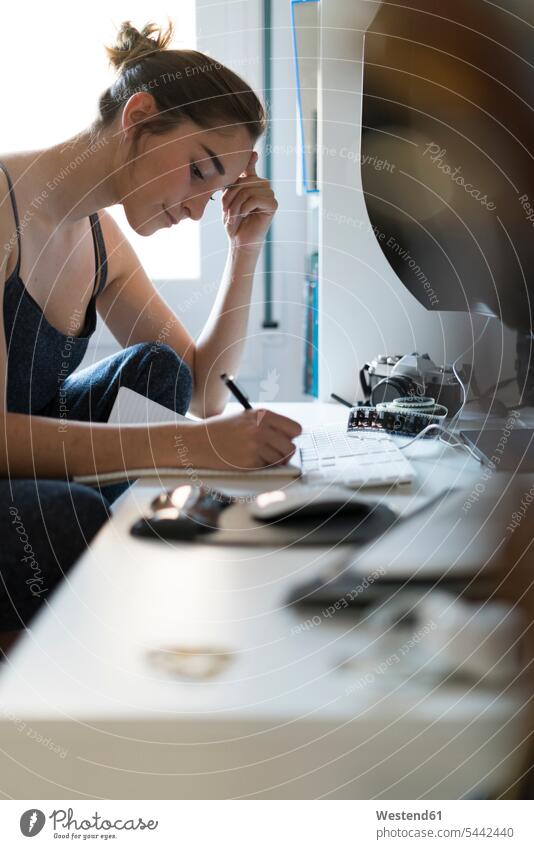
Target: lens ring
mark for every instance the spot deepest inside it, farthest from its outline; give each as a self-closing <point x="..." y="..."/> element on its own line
<point x="399" y="383"/>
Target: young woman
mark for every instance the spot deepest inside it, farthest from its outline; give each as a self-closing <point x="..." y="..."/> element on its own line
<point x="174" y="128"/>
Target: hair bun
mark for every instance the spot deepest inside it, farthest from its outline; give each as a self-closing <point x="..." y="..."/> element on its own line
<point x="133" y="45"/>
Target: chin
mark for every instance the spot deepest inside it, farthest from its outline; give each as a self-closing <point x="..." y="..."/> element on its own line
<point x="141" y="223"/>
<point x="148" y="229"/>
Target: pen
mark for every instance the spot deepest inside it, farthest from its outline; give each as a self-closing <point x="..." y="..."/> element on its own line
<point x="236" y="391"/>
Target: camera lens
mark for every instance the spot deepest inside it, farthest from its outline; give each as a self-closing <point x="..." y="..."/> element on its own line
<point x="390" y="388"/>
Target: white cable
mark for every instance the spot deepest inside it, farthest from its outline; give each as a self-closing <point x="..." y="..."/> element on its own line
<point x="459" y="444"/>
<point x="459" y="412"/>
<point x="421" y="433"/>
<point x="454" y="442"/>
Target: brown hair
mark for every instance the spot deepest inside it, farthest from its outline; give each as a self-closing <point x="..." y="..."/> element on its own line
<point x="184" y="84"/>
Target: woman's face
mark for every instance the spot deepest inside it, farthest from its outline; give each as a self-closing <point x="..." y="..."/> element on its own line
<point x="173" y="175"/>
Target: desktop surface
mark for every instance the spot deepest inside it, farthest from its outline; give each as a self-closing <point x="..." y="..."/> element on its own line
<point x="287" y="716"/>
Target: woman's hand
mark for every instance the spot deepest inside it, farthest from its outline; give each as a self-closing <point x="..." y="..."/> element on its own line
<point x="253" y="439"/>
<point x="248" y="208"/>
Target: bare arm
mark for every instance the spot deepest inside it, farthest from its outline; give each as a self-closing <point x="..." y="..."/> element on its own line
<point x="220" y="345"/>
<point x="38" y="447"/>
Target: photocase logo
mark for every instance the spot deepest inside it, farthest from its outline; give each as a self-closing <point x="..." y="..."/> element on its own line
<point x="32" y="822"/>
<point x="269" y="388"/>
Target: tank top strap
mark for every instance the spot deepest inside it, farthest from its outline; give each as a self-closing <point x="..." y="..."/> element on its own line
<point x="15" y="215"/>
<point x="101" y="259"/>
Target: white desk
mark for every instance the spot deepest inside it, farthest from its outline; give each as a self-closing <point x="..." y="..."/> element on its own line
<point x="283" y="720"/>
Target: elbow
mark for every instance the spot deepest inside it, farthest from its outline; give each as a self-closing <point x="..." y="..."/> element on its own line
<point x="203" y="405"/>
<point x="207" y="409"/>
<point x="214" y="410"/>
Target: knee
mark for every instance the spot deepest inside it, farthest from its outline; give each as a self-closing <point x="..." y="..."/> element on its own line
<point x="50" y="525"/>
<point x="90" y="511"/>
<point x="72" y="518"/>
<point x="162" y="375"/>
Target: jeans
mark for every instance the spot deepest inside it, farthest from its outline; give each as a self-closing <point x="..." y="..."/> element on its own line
<point x="46" y="524"/>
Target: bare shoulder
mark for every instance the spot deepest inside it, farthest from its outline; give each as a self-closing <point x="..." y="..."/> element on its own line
<point x="122" y="259"/>
<point x="8" y="227"/>
<point x="110" y="228"/>
<point x="114" y="238"/>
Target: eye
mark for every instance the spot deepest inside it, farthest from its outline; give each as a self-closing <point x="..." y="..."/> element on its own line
<point x="212" y="197"/>
<point x="195" y="170"/>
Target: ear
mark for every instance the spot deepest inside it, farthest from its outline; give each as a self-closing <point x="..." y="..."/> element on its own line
<point x="139" y="107"/>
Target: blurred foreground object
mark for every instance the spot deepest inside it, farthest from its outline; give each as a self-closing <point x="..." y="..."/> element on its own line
<point x="447" y="152"/>
<point x="514" y="585"/>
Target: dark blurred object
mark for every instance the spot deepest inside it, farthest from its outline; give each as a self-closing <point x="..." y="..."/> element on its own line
<point x="183" y="513"/>
<point x="517" y="587"/>
<point x="525" y="369"/>
<point x="447" y="147"/>
<point x="512" y="453"/>
<point x="509" y="578"/>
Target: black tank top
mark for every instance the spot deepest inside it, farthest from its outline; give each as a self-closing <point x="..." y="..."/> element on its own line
<point x="39" y="357"/>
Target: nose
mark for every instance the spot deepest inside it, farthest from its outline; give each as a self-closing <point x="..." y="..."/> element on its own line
<point x="196" y="206"/>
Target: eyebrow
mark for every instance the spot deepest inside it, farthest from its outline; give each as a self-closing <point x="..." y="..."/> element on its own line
<point x="215" y="159"/>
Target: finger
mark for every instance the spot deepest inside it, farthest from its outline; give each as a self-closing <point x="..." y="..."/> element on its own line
<point x="245" y="179"/>
<point x="252" y="205"/>
<point x="269" y="456"/>
<point x="238" y="199"/>
<point x="235" y="207"/>
<point x="249" y="207"/>
<point x="229" y="194"/>
<point x="282" y="423"/>
<point x="232" y="223"/>
<point x="232" y="211"/>
<point x="282" y="445"/>
<point x="253" y="201"/>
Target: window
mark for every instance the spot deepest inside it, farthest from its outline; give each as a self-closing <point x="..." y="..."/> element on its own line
<point x="54" y="68"/>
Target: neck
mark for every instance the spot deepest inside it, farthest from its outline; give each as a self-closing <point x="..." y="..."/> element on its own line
<point x="79" y="175"/>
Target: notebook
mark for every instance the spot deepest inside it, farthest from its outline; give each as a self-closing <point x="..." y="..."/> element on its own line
<point x="132" y="408"/>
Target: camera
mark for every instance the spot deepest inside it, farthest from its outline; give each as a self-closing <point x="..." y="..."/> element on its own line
<point x="388" y="377"/>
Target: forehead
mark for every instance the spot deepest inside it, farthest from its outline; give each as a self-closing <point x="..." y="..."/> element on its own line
<point x="229" y="150"/>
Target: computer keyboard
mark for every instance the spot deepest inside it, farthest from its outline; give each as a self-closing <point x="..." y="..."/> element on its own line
<point x="355" y="459"/>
